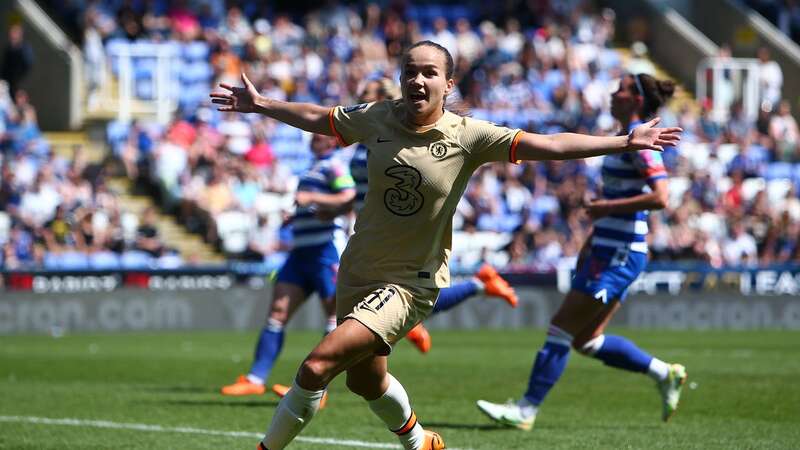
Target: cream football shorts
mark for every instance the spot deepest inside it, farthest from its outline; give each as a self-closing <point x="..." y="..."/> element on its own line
<point x="389" y="310"/>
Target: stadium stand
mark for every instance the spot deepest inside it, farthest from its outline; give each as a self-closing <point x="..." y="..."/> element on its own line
<point x="231" y="177"/>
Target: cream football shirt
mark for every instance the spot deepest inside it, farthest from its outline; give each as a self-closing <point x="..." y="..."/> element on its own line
<point x="416" y="177"/>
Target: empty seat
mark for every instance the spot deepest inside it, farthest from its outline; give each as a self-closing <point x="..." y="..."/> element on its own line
<point x="135" y="259"/>
<point x="104" y="260"/>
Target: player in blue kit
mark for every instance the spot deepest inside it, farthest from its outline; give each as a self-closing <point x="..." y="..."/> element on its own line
<point x="312" y="263"/>
<point x="612" y="258"/>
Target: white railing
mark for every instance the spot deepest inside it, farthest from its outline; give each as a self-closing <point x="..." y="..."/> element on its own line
<point x="163" y="101"/>
<point x="728" y="80"/>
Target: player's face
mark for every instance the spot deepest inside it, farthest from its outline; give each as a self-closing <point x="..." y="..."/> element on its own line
<point x="424" y="83"/>
<point x="322" y="145"/>
<point x="626" y="100"/>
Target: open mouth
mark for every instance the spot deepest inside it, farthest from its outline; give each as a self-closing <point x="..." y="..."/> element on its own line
<point x="417" y="97"/>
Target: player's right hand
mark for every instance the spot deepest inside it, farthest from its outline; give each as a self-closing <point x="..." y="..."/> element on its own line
<point x="240" y="99"/>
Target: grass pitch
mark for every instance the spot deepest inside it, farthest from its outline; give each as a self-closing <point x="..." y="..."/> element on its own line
<point x="743" y="392"/>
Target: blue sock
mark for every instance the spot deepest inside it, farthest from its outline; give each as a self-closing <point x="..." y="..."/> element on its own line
<point x="549" y="365"/>
<point x="270" y="343"/>
<point x="616" y="351"/>
<point x="453" y="295"/>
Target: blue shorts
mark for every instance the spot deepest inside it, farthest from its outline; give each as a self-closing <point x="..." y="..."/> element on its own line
<point x="312" y="268"/>
<point x="607" y="273"/>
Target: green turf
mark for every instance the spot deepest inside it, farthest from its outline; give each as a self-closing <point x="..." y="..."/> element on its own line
<point x="746" y="395"/>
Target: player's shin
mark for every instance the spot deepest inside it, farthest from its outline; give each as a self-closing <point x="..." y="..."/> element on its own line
<point x="394" y="409"/>
<point x="294" y="411"/>
<point x="270" y="343"/>
<point x="549" y="365"/>
<point x="619" y="352"/>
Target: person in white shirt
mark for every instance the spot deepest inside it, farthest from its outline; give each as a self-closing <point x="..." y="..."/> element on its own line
<point x="740" y="247"/>
<point x="770" y="79"/>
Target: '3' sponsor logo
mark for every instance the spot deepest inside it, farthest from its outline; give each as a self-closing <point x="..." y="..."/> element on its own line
<point x="404" y="198"/>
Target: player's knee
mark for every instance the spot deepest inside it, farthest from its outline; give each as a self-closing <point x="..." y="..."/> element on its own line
<point x="559" y="336"/>
<point x="588" y="347"/>
<point x="278" y="316"/>
<point x="314" y="372"/>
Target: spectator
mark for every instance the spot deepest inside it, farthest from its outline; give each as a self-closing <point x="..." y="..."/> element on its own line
<point x="639" y="62"/>
<point x="17" y="58"/>
<point x="740" y="248"/>
<point x="770" y="80"/>
<point x="147" y="236"/>
<point x="785" y="133"/>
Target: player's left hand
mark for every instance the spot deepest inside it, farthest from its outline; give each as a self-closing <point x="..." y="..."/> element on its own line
<point x="326" y="214"/>
<point x="304" y="198"/>
<point x="648" y="137"/>
<point x="597" y="209"/>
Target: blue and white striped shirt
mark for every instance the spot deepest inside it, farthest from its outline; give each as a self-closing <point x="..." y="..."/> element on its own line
<point x="327" y="175"/>
<point x="626" y="175"/>
<point x="358" y="168"/>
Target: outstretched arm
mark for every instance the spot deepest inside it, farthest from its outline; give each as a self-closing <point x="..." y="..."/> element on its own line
<point x="306" y="116"/>
<point x="574" y="146"/>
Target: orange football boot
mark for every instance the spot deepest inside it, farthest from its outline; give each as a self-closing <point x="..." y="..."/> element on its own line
<point x="243" y="386"/>
<point x="420" y="337"/>
<point x="281" y="389"/>
<point x="495" y="286"/>
<point x="432" y="441"/>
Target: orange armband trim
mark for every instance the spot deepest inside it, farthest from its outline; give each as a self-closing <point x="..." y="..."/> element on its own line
<point x="512" y="153"/>
<point x="338" y="136"/>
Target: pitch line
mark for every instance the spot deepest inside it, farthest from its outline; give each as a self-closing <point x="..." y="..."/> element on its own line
<point x="189" y="430"/>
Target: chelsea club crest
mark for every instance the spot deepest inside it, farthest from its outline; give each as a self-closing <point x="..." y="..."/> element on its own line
<point x="438" y="149"/>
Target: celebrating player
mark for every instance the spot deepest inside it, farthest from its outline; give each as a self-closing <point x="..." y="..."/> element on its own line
<point x="612" y="258"/>
<point x="486" y="280"/>
<point x="293" y="288"/>
<point x="421" y="159"/>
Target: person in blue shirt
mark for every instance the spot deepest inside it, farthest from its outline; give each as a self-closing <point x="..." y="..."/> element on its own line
<point x="312" y="263"/>
<point x="611" y="259"/>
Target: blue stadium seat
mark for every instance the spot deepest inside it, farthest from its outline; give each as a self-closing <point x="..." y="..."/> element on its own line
<point x="73" y="260"/>
<point x="196" y="51"/>
<point x="135" y="259"/>
<point x="199" y="71"/>
<point x="144" y="68"/>
<point x="779" y="170"/>
<point x="145" y="90"/>
<point x="105" y="260"/>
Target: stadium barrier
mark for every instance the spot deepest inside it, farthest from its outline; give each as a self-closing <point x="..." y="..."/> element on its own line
<point x="55" y="81"/>
<point x="667" y="298"/>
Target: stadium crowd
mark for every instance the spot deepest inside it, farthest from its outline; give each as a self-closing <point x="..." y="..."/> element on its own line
<point x="733" y="185"/>
<point x="59" y="213"/>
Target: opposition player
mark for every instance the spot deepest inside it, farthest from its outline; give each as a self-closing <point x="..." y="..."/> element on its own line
<point x="421" y="158"/>
<point x="312" y="262"/>
<point x="611" y="259"/>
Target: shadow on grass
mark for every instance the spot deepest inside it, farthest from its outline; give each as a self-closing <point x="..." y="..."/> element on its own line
<point x="222" y="402"/>
<point x="178" y="389"/>
<point x="463" y="426"/>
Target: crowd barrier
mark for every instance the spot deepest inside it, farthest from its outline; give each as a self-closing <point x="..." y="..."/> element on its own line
<point x="662" y="298"/>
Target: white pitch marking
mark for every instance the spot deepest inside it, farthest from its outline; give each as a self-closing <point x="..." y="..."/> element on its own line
<point x="188" y="430"/>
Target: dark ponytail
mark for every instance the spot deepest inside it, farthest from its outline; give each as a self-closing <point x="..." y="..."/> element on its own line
<point x="656" y="93"/>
